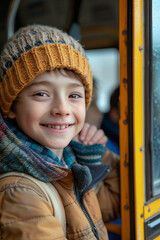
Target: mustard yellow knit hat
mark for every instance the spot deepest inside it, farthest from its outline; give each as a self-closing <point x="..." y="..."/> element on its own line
<point x="36" y="49"/>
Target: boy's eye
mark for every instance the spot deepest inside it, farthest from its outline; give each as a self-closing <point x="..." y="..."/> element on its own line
<point x="75" y="95"/>
<point x="41" y="94"/>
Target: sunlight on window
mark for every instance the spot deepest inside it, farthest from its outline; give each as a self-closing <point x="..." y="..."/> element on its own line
<point x="105" y="68"/>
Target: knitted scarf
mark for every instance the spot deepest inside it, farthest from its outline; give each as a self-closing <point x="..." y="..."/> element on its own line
<point x="20" y="153"/>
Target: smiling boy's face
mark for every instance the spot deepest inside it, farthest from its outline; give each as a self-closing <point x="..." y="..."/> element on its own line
<point x="51" y="109"/>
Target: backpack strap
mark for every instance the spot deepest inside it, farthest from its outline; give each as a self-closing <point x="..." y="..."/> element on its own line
<point x="51" y="194"/>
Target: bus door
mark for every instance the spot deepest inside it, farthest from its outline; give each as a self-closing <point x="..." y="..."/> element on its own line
<point x="139" y="46"/>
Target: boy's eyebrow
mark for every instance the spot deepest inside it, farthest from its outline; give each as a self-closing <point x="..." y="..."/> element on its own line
<point x="78" y="84"/>
<point x="38" y="83"/>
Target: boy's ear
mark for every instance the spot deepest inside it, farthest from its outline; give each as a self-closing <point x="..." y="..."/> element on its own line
<point x="11" y="114"/>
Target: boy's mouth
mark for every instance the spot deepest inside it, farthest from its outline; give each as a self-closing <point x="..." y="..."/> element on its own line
<point x="59" y="127"/>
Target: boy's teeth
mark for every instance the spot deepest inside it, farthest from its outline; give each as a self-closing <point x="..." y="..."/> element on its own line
<point x="57" y="126"/>
<point x="63" y="127"/>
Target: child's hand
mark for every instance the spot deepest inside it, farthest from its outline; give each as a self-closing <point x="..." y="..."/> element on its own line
<point x="90" y="135"/>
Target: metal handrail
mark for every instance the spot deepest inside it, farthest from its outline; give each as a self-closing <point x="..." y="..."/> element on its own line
<point x="11" y="17"/>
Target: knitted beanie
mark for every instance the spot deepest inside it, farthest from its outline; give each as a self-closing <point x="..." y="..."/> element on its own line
<point x="33" y="50"/>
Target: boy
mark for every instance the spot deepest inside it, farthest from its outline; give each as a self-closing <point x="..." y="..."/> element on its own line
<point x="46" y="85"/>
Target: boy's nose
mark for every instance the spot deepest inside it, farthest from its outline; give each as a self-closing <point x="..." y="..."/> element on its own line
<point x="60" y="109"/>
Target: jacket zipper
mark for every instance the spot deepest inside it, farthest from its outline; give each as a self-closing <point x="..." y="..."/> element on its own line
<point x="79" y="196"/>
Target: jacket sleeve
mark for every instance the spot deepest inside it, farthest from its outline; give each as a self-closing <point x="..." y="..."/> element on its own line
<point x="109" y="190"/>
<point x="25" y="212"/>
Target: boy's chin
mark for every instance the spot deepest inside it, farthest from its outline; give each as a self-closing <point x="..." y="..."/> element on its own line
<point x="57" y="147"/>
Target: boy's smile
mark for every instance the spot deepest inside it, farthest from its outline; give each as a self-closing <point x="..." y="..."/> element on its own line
<point x="51" y="109"/>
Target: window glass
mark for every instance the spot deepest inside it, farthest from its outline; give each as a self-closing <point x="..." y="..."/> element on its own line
<point x="155" y="101"/>
<point x="105" y="69"/>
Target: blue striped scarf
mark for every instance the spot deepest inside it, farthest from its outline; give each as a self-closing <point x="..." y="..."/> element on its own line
<point x="20" y="153"/>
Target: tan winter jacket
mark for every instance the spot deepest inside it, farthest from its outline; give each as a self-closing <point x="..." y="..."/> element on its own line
<point x="26" y="214"/>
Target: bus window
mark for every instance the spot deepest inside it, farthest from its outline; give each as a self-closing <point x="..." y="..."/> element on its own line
<point x="155" y="98"/>
<point x="105" y="68"/>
